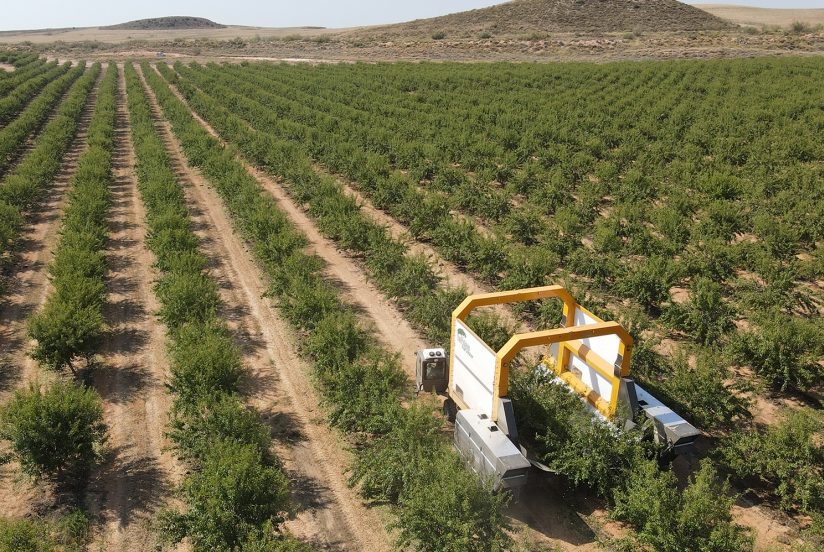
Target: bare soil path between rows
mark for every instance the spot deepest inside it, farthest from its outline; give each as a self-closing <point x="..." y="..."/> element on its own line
<point x="28" y="289"/>
<point x="329" y="514"/>
<point x="140" y="469"/>
<point x="541" y="515"/>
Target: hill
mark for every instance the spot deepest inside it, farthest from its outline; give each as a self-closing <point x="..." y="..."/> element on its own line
<point x="749" y="15"/>
<point x="162" y="23"/>
<point x="544" y="16"/>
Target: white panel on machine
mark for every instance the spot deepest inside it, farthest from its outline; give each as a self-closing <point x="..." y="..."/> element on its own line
<point x="473" y="376"/>
<point x="590" y="377"/>
<point x="607" y="347"/>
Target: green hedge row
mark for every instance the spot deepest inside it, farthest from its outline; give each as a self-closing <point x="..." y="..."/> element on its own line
<point x="70" y="324"/>
<point x="58" y="431"/>
<point x="236" y="493"/>
<point x="556" y="422"/>
<point x="13" y="136"/>
<point x="24" y="72"/>
<point x="23" y="188"/>
<point x="15" y="99"/>
<point x="544" y="233"/>
<point x="402" y="457"/>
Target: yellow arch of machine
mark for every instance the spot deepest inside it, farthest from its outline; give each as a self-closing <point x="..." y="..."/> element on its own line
<point x="569" y="340"/>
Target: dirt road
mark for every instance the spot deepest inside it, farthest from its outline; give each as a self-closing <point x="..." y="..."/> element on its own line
<point x="329" y="513"/>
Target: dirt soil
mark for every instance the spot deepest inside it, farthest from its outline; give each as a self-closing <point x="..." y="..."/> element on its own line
<point x="328" y="513"/>
<point x="749" y="15"/>
<point x="28" y="289"/>
<point x="140" y="470"/>
<point x="7" y="67"/>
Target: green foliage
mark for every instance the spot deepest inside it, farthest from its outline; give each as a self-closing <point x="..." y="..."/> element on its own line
<point x="567" y="438"/>
<point x="702" y="393"/>
<point x="229" y="499"/>
<point x="205" y="362"/>
<point x="649" y="282"/>
<point x="194" y="428"/>
<point x="71" y="323"/>
<point x="447" y="509"/>
<point x="698" y="518"/>
<point x="236" y="493"/>
<point x="23" y="186"/>
<point x="783" y="350"/>
<point x="787" y="457"/>
<point x="67" y="533"/>
<point x="705" y="317"/>
<point x="54" y="431"/>
<point x="64" y="332"/>
<point x="389" y="465"/>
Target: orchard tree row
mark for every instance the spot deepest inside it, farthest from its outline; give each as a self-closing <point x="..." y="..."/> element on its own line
<point x="402" y="456"/>
<point x="699" y="388"/>
<point x="235" y="493"/>
<point x="55" y="430"/>
<point x="22" y="189"/>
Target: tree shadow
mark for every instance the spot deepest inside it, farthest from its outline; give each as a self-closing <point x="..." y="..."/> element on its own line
<point x="552" y="511"/>
<point x="140" y="485"/>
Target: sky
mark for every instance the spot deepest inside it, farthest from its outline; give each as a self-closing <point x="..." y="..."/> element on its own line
<point x="39" y="14"/>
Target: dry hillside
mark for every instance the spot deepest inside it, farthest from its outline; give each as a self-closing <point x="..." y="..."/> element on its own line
<point x="174" y="22"/>
<point x="586" y="16"/>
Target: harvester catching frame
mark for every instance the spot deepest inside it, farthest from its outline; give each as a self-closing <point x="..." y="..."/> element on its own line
<point x="588" y="355"/>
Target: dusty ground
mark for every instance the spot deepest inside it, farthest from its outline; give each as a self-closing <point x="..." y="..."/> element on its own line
<point x="140" y="470"/>
<point x="329" y="513"/>
<point x="7" y="67"/>
<point x="748" y="15"/>
<point x="28" y="290"/>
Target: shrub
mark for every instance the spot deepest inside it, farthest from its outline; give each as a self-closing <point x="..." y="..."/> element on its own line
<point x="438" y="35"/>
<point x="649" y="282"/>
<point x="567" y="438"/>
<point x="388" y="465"/>
<point x="445" y="490"/>
<point x="363" y="395"/>
<point x="186" y="297"/>
<point x="64" y="332"/>
<point x="205" y="362"/>
<point x="54" y="431"/>
<point x="224" y="418"/>
<point x="705" y="317"/>
<point x="701" y="393"/>
<point x="233" y="495"/>
<point x="783" y="350"/>
<point x="667" y="520"/>
<point x="788" y="457"/>
<point x="68" y="533"/>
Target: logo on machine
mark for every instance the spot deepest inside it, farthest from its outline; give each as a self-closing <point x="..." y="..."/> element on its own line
<point x="464" y="343"/>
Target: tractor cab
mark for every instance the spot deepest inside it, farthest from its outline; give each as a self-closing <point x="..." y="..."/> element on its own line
<point x="431" y="370"/>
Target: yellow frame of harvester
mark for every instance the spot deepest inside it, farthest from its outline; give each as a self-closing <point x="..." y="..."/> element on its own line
<point x="569" y="340"/>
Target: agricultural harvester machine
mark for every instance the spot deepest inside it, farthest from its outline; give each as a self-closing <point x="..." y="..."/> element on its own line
<point x="589" y="356"/>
